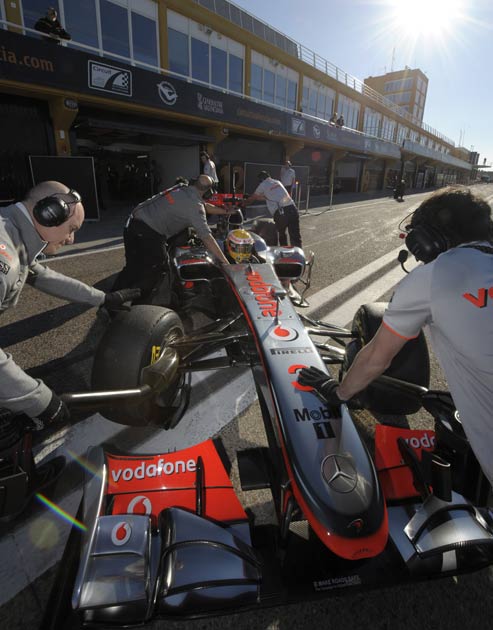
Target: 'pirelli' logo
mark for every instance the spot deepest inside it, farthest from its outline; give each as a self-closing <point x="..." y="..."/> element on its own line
<point x="284" y="351"/>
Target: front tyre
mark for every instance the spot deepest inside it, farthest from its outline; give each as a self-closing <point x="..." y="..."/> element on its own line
<point x="411" y="364"/>
<point x="133" y="340"/>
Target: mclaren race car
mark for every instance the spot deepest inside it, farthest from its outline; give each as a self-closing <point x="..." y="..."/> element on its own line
<point x="164" y="535"/>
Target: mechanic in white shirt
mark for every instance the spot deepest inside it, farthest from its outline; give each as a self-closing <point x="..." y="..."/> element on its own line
<point x="280" y="206"/>
<point x="209" y="168"/>
<point x="452" y="294"/>
<point x="288" y="176"/>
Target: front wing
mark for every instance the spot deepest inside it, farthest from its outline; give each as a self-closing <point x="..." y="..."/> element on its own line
<point x="167" y="537"/>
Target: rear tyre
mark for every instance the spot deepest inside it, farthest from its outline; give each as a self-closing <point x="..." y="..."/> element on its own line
<point x="266" y="229"/>
<point x="133" y="340"/>
<point x="411" y="364"/>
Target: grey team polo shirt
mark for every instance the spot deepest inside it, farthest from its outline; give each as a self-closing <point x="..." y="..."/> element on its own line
<point x="453" y="296"/>
<point x="20" y="245"/>
<point x="171" y="212"/>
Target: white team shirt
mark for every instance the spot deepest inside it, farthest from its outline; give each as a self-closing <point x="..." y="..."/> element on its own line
<point x="288" y="176"/>
<point x="276" y="196"/>
<point x="453" y="296"/>
<point x="210" y="169"/>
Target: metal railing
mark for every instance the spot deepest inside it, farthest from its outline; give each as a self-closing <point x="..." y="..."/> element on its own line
<point x="249" y="22"/>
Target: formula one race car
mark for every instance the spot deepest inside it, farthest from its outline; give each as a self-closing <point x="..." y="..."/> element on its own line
<point x="165" y="534"/>
<point x="194" y="283"/>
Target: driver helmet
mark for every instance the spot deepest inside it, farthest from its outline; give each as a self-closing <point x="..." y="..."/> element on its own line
<point x="239" y="245"/>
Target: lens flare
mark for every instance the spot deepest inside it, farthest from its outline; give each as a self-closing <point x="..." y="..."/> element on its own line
<point x="87" y="465"/>
<point x="59" y="512"/>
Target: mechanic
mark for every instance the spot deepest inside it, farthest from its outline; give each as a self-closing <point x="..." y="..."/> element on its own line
<point x="452" y="233"/>
<point x="280" y="206"/>
<point x="209" y="168"/>
<point x="158" y="219"/>
<point x="288" y="176"/>
<point x="42" y="223"/>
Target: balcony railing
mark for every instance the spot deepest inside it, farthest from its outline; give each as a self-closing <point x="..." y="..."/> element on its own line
<point x="249" y="22"/>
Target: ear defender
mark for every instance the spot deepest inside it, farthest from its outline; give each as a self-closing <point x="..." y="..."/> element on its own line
<point x="426" y="243"/>
<point x="52" y="211"/>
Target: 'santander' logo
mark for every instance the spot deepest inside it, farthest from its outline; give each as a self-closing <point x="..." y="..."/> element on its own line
<point x="262" y="293"/>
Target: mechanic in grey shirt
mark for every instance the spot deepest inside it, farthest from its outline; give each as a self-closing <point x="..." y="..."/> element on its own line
<point x="22" y="240"/>
<point x="452" y="294"/>
<point x="156" y="220"/>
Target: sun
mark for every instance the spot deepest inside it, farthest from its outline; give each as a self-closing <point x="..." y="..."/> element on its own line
<point x="428" y="19"/>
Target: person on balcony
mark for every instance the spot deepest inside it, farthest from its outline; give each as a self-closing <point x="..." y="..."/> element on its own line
<point x="50" y="25"/>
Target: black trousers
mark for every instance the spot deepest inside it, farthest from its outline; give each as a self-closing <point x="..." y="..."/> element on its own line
<point x="146" y="258"/>
<point x="288" y="219"/>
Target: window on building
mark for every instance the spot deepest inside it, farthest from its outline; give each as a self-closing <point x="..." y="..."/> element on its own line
<point x="178" y="52"/>
<point x="402" y="133"/>
<point x="200" y="60"/>
<point x="388" y="129"/>
<point x="256" y="81"/>
<point x="329" y="103"/>
<point x="312" y="103"/>
<point x="398" y="85"/>
<point x="372" y="122"/>
<point x="350" y="110"/>
<point x="292" y="95"/>
<point x="269" y="83"/>
<point x="318" y="99"/>
<point x="81" y="21"/>
<point x="272" y="82"/>
<point x="403" y="97"/>
<point x="219" y="67"/>
<point x="235" y="74"/>
<point x="281" y="85"/>
<point x="306" y="96"/>
<point x="214" y="58"/>
<point x="144" y="39"/>
<point x="114" y="28"/>
<point x="321" y="104"/>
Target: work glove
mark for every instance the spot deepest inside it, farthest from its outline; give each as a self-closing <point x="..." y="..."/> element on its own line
<point x="56" y="412"/>
<point x="322" y="383"/>
<point x="115" y="301"/>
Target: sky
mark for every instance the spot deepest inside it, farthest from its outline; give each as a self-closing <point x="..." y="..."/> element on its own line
<point x="451" y="41"/>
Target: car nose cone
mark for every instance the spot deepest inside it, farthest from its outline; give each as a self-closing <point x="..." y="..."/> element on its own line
<point x="339" y="473"/>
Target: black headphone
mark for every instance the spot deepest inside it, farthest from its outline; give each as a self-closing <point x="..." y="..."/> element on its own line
<point x="425" y="242"/>
<point x="52" y="211"/>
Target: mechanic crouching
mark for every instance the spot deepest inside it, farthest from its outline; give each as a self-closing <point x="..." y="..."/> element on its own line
<point x="42" y="223"/>
<point x="452" y="234"/>
<point x="157" y="220"/>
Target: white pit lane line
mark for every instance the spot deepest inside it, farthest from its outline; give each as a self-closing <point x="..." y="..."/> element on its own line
<point x="38" y="543"/>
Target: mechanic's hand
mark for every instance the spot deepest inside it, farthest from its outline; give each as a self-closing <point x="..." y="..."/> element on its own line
<point x="56" y="412"/>
<point x="322" y="383"/>
<point x="115" y="301"/>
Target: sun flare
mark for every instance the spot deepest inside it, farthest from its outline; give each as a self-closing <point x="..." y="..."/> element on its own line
<point x="430" y="19"/>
